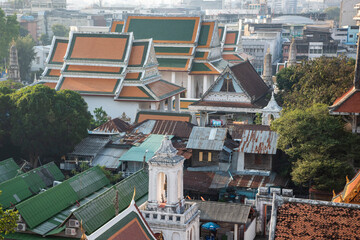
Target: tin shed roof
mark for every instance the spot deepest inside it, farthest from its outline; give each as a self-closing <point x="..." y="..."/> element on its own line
<point x="206" y="138"/>
<point x="259" y="142"/>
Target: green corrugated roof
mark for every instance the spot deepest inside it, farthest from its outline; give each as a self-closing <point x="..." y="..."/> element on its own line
<point x="172" y="62"/>
<point x="163" y="29"/>
<point x="25" y="185"/>
<point x="24" y="236"/>
<point x="136" y="154"/>
<point x="100" y="210"/>
<point x="8" y="169"/>
<point x="45" y="205"/>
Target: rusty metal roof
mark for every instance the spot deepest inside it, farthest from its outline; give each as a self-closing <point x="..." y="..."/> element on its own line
<point x="115" y="125"/>
<point x="256" y="181"/>
<point x="236" y="130"/>
<point x="177" y="128"/>
<point x="259" y="142"/>
<point x="206" y="138"/>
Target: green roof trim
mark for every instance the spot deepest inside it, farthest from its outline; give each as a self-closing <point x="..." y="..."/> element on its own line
<point x="49" y="203"/>
<point x="162" y="29"/>
<point x="8" y="169"/>
<point x="28" y="184"/>
<point x="100" y="210"/>
<point x="204" y="34"/>
<point x="146" y="46"/>
<point x="90" y="35"/>
<point x="151" y="144"/>
<point x="174" y="50"/>
<point x="221" y="30"/>
<point x="172" y="62"/>
<point x="53" y="50"/>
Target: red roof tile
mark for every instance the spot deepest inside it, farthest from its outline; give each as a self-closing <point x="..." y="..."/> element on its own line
<point x="314" y="221"/>
<point x="348" y="103"/>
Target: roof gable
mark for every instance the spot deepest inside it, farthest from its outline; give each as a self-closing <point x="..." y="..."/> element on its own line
<point x="206" y="34"/>
<point x="139" y="53"/>
<point x="129" y="224"/>
<point x="58" y="50"/>
<point x="348" y="103"/>
<point x="164" y="29"/>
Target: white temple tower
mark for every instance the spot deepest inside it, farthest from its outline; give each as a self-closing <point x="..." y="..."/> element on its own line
<point x="166" y="210"/>
<point x="271" y="111"/>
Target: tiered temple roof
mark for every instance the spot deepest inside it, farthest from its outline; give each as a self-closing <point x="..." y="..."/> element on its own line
<point x="54" y="62"/>
<point x="112" y="64"/>
<point x="230" y="44"/>
<point x="351" y="192"/>
<point x="182" y="43"/>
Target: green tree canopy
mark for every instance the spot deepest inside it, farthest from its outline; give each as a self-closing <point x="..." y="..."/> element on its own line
<point x="60" y="30"/>
<point x="99" y="118"/>
<point x="313" y="137"/>
<point x="46" y="122"/>
<point x="9" y="30"/>
<point x="8" y="220"/>
<point x="321" y="80"/>
<point x="26" y="54"/>
<point x="333" y="13"/>
<point x="11" y="85"/>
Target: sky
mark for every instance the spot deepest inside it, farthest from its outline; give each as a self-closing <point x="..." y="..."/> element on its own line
<point x="83" y="3"/>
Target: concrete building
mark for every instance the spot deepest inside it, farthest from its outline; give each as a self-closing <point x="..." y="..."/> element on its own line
<point x="166" y="210"/>
<point x="347" y="12"/>
<point x="41" y="54"/>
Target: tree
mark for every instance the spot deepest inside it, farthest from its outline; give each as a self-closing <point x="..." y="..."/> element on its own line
<point x="44" y="39"/>
<point x="9" y="30"/>
<point x="11" y="85"/>
<point x="46" y="122"/>
<point x="60" y="30"/>
<point x="321" y="80"/>
<point x="26" y="54"/>
<point x="8" y="220"/>
<point x="100" y="117"/>
<point x="333" y="13"/>
<point x="310" y="137"/>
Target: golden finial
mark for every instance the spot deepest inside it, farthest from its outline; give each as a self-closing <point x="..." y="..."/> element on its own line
<point x="341" y="198"/>
<point x="133" y="198"/>
<point x="347" y="179"/>
<point x="83" y="235"/>
<point x="334" y="195"/>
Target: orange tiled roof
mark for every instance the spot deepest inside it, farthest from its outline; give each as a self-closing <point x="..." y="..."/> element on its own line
<point x="50" y="84"/>
<point x="132" y="92"/>
<point x="54" y="73"/>
<point x="305" y="221"/>
<point x="136" y="56"/>
<point x="132" y="76"/>
<point x="348" y="103"/>
<point x="230" y="38"/>
<point x="153" y="116"/>
<point x="108" y="47"/>
<point x="164" y="89"/>
<point x="83" y="68"/>
<point x="90" y="85"/>
<point x="59" y="53"/>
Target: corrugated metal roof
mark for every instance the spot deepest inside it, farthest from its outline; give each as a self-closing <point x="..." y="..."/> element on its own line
<point x="109" y="157"/>
<point x="223" y="212"/>
<point x="100" y="210"/>
<point x="206" y="138"/>
<point x="136" y="154"/>
<point x="177" y="128"/>
<point x="259" y="142"/>
<point x="90" y="146"/>
<point x="115" y="125"/>
<point x="25" y="185"/>
<point x="49" y="203"/>
<point x="8" y="169"/>
<point x="256" y="181"/>
<point x="236" y="130"/>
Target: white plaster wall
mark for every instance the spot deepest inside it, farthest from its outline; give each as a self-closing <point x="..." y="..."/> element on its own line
<point x="250" y="232"/>
<point x="112" y="108"/>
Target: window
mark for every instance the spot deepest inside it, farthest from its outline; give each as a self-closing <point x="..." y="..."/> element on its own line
<point x="37" y="60"/>
<point x="200" y="156"/>
<point x="209" y="156"/>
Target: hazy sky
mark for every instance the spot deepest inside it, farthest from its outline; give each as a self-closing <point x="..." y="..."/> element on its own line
<point x="83" y="3"/>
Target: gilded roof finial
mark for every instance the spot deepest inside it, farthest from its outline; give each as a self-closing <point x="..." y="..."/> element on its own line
<point x="347" y="179"/>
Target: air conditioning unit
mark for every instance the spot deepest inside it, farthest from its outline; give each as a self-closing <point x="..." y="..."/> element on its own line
<point x="56" y="183"/>
<point x="74" y="223"/>
<point x="21" y="227"/>
<point x="70" y="231"/>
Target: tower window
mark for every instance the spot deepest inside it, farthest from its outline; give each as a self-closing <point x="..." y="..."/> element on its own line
<point x="227" y="85"/>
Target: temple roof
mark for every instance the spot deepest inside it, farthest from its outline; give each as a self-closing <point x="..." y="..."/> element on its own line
<point x="351" y="192"/>
<point x="129" y="224"/>
<point x="93" y="47"/>
<point x="117" y="26"/>
<point x="164" y="29"/>
<point x="166" y="154"/>
<point x="155" y="115"/>
<point x="347" y="103"/>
